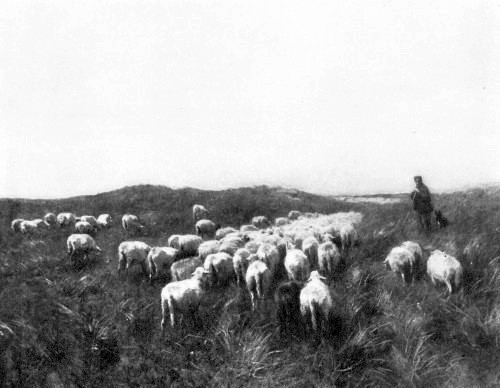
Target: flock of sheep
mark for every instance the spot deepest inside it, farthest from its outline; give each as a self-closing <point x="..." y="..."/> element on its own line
<point x="308" y="248"/>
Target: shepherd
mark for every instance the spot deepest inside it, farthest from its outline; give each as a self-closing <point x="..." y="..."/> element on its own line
<point x="422" y="203"/>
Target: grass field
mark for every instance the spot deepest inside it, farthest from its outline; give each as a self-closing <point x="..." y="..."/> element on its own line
<point x="87" y="327"/>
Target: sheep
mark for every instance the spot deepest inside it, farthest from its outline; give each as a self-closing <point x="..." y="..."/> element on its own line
<point x="15" y="225"/>
<point x="328" y="258"/>
<point x="445" y="268"/>
<point x="297" y="265"/>
<point x="240" y="264"/>
<point x="104" y="221"/>
<point x="252" y="246"/>
<point x="349" y="237"/>
<point x="81" y="243"/>
<point x="248" y="228"/>
<point x="310" y="248"/>
<point x="415" y="249"/>
<point x="220" y="267"/>
<point x="230" y="245"/>
<point x="401" y="261"/>
<point x="29" y="226"/>
<point x="269" y="254"/>
<point x="133" y="252"/>
<point x="160" y="259"/>
<point x="131" y="224"/>
<point x="199" y="212"/>
<point x="294" y="214"/>
<point x="91" y="220"/>
<point x="206" y="228"/>
<point x="316" y="301"/>
<point x="258" y="279"/>
<point x="173" y="241"/>
<point x="183" y="297"/>
<point x="223" y="232"/>
<point x="334" y="231"/>
<point x="84" y="227"/>
<point x="287" y="299"/>
<point x="261" y="222"/>
<point x="188" y="245"/>
<point x="66" y="219"/>
<point x="182" y="269"/>
<point x="207" y="248"/>
<point x="50" y="219"/>
<point x="280" y="221"/>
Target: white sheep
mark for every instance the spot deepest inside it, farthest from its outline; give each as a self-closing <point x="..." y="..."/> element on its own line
<point x="160" y="260"/>
<point x="79" y="244"/>
<point x="268" y="253"/>
<point x="328" y="258"/>
<point x="131" y="224"/>
<point x="199" y="212"/>
<point x="104" y="221"/>
<point x="84" y="227"/>
<point x="182" y="269"/>
<point x="50" y="219"/>
<point x="252" y="246"/>
<point x="258" y="279"/>
<point x="240" y="264"/>
<point x="261" y="222"/>
<point x="15" y="225"/>
<point x="133" y="252"/>
<point x="248" y="228"/>
<point x="445" y="268"/>
<point x="223" y="232"/>
<point x="401" y="261"/>
<point x="280" y="221"/>
<point x="348" y="236"/>
<point x="207" y="248"/>
<point x="91" y="220"/>
<point x="206" y="229"/>
<point x="182" y="297"/>
<point x="66" y="219"/>
<point x="294" y="214"/>
<point x="220" y="268"/>
<point x="188" y="245"/>
<point x="415" y="249"/>
<point x="173" y="241"/>
<point x="29" y="226"/>
<point x="316" y="302"/>
<point x="230" y="245"/>
<point x="297" y="265"/>
<point x="310" y="248"/>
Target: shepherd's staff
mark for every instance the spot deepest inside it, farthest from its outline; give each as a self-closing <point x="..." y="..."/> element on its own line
<point x="407" y="215"/>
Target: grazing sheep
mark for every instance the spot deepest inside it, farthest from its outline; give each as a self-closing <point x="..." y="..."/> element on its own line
<point x="104" y="221"/>
<point x="79" y="244"/>
<point x="207" y="248"/>
<point x="240" y="264"/>
<point x="91" y="220"/>
<point x="287" y="298"/>
<point x="182" y="269"/>
<point x="258" y="279"/>
<point x="66" y="219"/>
<point x="280" y="221"/>
<point x="261" y="222"/>
<point x="252" y="246"/>
<point x="160" y="259"/>
<point x="223" y="232"/>
<point x="297" y="265"/>
<point x="133" y="252"/>
<point x="248" y="228"/>
<point x="173" y="241"/>
<point x="294" y="214"/>
<point x="29" y="226"/>
<point x="415" y="249"/>
<point x="188" y="245"/>
<point x="131" y="224"/>
<point x="50" y="219"/>
<point x="269" y="254"/>
<point x="15" y="225"/>
<point x="400" y="261"/>
<point x="84" y="227"/>
<point x="220" y="268"/>
<point x="349" y="237"/>
<point x="445" y="268"/>
<point x="183" y="297"/>
<point x="206" y="228"/>
<point x="310" y="248"/>
<point x="230" y="245"/>
<point x="316" y="302"/>
<point x="333" y="230"/>
<point x="199" y="212"/>
<point x="328" y="258"/>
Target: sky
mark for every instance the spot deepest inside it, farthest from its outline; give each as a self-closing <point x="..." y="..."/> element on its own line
<point x="330" y="97"/>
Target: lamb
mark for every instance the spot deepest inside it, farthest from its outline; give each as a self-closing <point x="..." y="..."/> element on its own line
<point x="183" y="297"/>
<point x="199" y="212"/>
<point x="401" y="261"/>
<point x="269" y="254"/>
<point x="131" y="224"/>
<point x="297" y="265"/>
<point x="223" y="232"/>
<point x="261" y="222"/>
<point x="328" y="258"/>
<point x="206" y="228"/>
<point x="133" y="252"/>
<point x="445" y="268"/>
<point x="91" y="220"/>
<point x="50" y="219"/>
<point x="79" y="244"/>
<point x="188" y="245"/>
<point x="182" y="269"/>
<point x="173" y="241"/>
<point x="240" y="264"/>
<point x="15" y="225"/>
<point x="230" y="245"/>
<point x="66" y="219"/>
<point x="220" y="268"/>
<point x="316" y="301"/>
<point x="84" y="227"/>
<point x="104" y="221"/>
<point x="258" y="279"/>
<point x="207" y="248"/>
<point x="294" y="215"/>
<point x="349" y="237"/>
<point x="160" y="259"/>
<point x="287" y="298"/>
<point x="310" y="248"/>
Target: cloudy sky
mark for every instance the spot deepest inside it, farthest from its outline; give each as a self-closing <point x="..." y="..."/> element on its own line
<point x="325" y="96"/>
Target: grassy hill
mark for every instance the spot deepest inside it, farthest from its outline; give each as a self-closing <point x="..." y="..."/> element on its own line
<point x="88" y="327"/>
